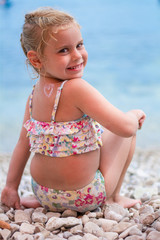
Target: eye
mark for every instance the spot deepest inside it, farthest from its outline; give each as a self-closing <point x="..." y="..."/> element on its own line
<point x="80" y="45"/>
<point x="64" y="50"/>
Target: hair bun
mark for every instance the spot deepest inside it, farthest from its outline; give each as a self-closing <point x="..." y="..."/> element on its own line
<point x="29" y="17"/>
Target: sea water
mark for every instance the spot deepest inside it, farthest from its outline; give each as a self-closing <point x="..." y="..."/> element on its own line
<point x="123" y="42"/>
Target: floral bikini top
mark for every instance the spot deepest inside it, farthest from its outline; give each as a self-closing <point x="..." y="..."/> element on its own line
<point x="61" y="139"/>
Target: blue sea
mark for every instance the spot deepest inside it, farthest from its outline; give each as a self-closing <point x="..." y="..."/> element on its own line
<point x="123" y="43"/>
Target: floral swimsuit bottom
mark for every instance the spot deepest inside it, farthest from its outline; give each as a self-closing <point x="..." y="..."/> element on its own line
<point x="86" y="199"/>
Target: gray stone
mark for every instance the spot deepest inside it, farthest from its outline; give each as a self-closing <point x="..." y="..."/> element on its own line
<point x="53" y="214"/>
<point x="69" y="213"/>
<point x="147" y="219"/>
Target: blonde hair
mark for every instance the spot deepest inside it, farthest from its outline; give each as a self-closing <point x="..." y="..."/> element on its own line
<point x="37" y="27"/>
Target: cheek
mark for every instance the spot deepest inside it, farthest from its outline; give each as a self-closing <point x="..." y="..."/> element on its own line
<point x="85" y="56"/>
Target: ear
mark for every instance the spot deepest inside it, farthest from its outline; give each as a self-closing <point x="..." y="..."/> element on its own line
<point x="34" y="59"/>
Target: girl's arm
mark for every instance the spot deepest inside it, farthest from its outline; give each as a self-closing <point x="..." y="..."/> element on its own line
<point x="18" y="161"/>
<point x="92" y="103"/>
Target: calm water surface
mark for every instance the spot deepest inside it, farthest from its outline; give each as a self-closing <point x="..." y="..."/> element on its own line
<point x="123" y="42"/>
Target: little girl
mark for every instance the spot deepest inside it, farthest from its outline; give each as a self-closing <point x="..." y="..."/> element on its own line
<point x="76" y="164"/>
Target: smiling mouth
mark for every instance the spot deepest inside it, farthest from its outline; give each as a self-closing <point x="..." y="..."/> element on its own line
<point x="76" y="68"/>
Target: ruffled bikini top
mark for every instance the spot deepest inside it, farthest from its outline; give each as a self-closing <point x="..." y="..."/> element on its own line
<point x="61" y="139"/>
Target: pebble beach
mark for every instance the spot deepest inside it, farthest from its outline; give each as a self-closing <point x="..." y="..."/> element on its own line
<point x="112" y="222"/>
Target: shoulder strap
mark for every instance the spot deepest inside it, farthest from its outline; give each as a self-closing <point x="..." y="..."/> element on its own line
<point x="57" y="100"/>
<point x="30" y="101"/>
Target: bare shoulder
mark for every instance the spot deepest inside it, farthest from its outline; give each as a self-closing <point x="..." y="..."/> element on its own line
<point x="77" y="85"/>
<point x="76" y="82"/>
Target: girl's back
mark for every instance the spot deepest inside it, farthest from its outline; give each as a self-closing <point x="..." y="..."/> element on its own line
<point x="69" y="172"/>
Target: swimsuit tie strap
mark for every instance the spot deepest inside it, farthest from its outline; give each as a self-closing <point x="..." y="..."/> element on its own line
<point x="30" y="101"/>
<point x="57" y="100"/>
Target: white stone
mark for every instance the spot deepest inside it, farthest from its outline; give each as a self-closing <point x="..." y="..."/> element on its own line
<point x="39" y="217"/>
<point x="85" y="219"/>
<point x="38" y="236"/>
<point x="133" y="230"/>
<point x="154" y="235"/>
<point x="94" y="229"/>
<point x="4" y="217"/>
<point x="55" y="223"/>
<point x="10" y="214"/>
<point x="121" y="226"/>
<point x="25" y="237"/>
<point x="89" y="236"/>
<point x="113" y="216"/>
<point x="21" y="216"/>
<point x="147" y="209"/>
<point x="5" y="233"/>
<point x="118" y="209"/>
<point x="76" y="229"/>
<point x="45" y="233"/>
<point x="91" y="214"/>
<point x="14" y="227"/>
<point x="16" y="236"/>
<point x="40" y="210"/>
<point x="75" y="237"/>
<point x="111" y="235"/>
<point x="27" y="228"/>
<point x="106" y="224"/>
<point x="67" y="234"/>
<point x="39" y="227"/>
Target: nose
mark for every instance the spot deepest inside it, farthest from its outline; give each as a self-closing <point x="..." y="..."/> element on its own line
<point x="76" y="55"/>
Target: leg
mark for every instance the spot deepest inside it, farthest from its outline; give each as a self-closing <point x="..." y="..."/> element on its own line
<point x="30" y="202"/>
<point x="116" y="155"/>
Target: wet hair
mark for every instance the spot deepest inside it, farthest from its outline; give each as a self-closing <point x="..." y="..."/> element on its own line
<point x="37" y="28"/>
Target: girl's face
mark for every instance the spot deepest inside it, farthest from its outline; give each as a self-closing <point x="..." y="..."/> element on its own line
<point x="64" y="56"/>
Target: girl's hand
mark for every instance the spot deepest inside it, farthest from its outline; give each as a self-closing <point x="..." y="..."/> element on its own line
<point x="10" y="198"/>
<point x="141" y="121"/>
<point x="141" y="116"/>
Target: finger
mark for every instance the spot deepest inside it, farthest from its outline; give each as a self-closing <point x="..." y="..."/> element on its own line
<point x="17" y="205"/>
